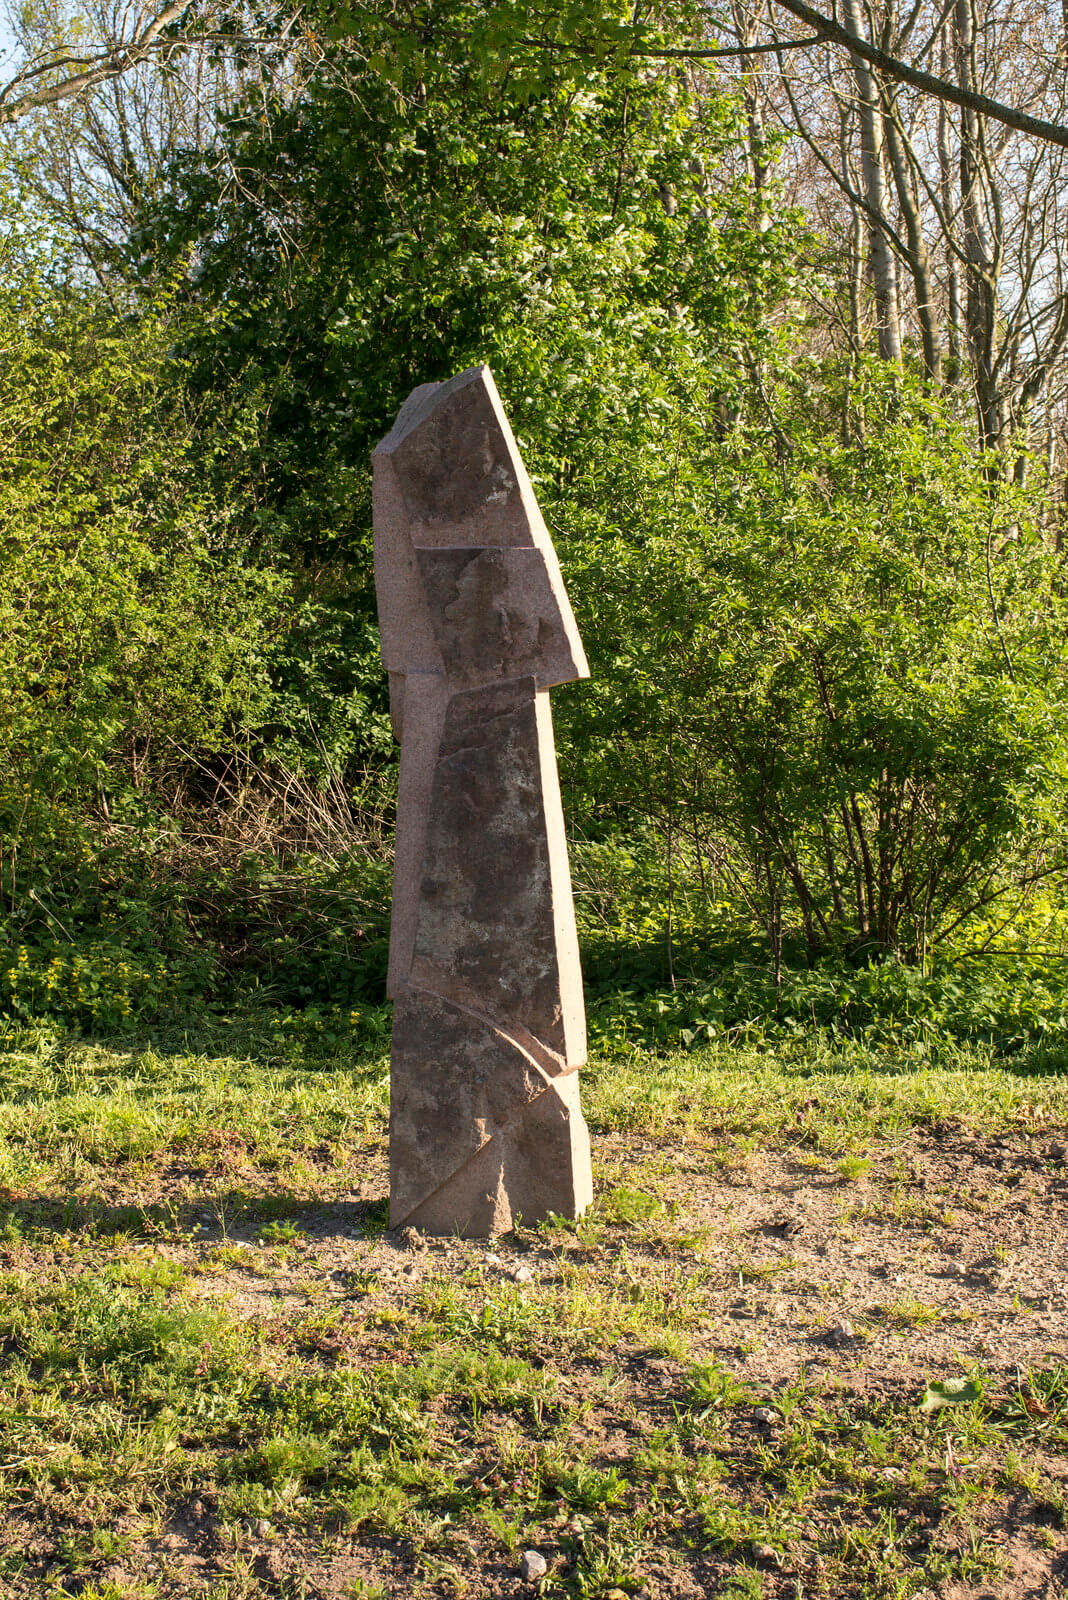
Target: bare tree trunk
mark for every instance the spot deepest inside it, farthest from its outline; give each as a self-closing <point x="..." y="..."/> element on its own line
<point x="1062" y="509"/>
<point x="883" y="261"/>
<point x="854" y="268"/>
<point x="745" y="27"/>
<point x="918" y="260"/>
<point x="858" y="875"/>
<point x="945" y="163"/>
<point x="956" y="208"/>
<point x="833" y="878"/>
<point x="980" y="310"/>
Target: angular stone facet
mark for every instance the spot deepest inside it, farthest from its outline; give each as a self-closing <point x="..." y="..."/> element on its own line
<point x="495" y="615"/>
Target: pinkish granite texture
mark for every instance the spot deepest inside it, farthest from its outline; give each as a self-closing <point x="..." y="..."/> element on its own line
<point x="488" y="1022"/>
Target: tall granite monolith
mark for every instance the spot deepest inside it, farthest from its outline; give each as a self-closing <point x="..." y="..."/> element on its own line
<point x="488" y="1022"/>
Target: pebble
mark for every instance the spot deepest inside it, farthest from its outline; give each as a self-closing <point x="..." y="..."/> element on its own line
<point x="766" y="1417"/>
<point x="522" y="1275"/>
<point x="262" y="1528"/>
<point x="533" y="1565"/>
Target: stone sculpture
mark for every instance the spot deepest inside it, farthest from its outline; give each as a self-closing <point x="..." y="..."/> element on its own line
<point x="488" y="1019"/>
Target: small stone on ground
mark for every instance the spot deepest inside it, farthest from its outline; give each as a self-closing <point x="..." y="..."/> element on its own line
<point x="533" y="1565"/>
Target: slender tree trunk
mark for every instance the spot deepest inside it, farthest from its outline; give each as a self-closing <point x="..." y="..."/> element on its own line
<point x="854" y="268"/>
<point x="869" y="873"/>
<point x="980" y="309"/>
<point x="918" y="259"/>
<point x="883" y="261"/>
<point x="752" y="99"/>
<point x="858" y="874"/>
<point x="945" y="163"/>
<point x="832" y="872"/>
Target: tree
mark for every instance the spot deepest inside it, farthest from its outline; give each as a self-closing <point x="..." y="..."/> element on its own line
<point x="92" y="161"/>
<point x="134" y="632"/>
<point x="961" y="242"/>
<point x="956" y="205"/>
<point x="814" y="678"/>
<point x="381" y="232"/>
<point x="110" y="557"/>
<point x="67" y="55"/>
<point x="367" y="235"/>
<point x="373" y="234"/>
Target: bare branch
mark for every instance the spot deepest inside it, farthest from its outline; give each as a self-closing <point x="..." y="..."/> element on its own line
<point x="941" y="88"/>
<point x="151" y="38"/>
<point x="95" y="69"/>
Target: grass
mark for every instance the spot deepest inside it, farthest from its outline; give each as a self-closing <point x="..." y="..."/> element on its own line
<point x="210" y="1385"/>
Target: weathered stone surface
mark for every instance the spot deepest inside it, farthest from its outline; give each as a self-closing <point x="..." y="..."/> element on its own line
<point x="495" y="614"/>
<point x="461" y="476"/>
<point x="419" y="717"/>
<point x="449" y="475"/>
<point x="489" y="1028"/>
<point x="407" y="638"/>
<point x="486" y="913"/>
<point x="474" y="1147"/>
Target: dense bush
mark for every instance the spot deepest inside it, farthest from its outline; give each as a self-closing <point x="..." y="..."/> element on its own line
<point x="667" y="964"/>
<point x="828" y="668"/>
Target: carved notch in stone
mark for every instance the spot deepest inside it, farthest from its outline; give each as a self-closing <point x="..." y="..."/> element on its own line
<point x="488" y="1027"/>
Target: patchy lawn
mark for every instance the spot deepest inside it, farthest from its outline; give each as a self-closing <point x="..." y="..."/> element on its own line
<point x="811" y="1341"/>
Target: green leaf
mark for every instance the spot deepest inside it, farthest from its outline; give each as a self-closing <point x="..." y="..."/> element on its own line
<point x="950" y="1392"/>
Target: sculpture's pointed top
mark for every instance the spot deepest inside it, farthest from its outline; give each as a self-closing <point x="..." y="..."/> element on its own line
<point x="458" y="467"/>
<point x="426" y="399"/>
<point x="468" y="580"/>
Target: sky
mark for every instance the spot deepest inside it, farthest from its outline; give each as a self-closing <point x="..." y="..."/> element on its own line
<point x="7" y="47"/>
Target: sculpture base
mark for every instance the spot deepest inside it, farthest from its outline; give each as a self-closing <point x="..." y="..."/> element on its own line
<point x="480" y="1135"/>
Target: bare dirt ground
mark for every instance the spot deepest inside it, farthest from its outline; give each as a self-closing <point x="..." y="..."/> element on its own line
<point x="941" y="1253"/>
<point x="949" y="1250"/>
